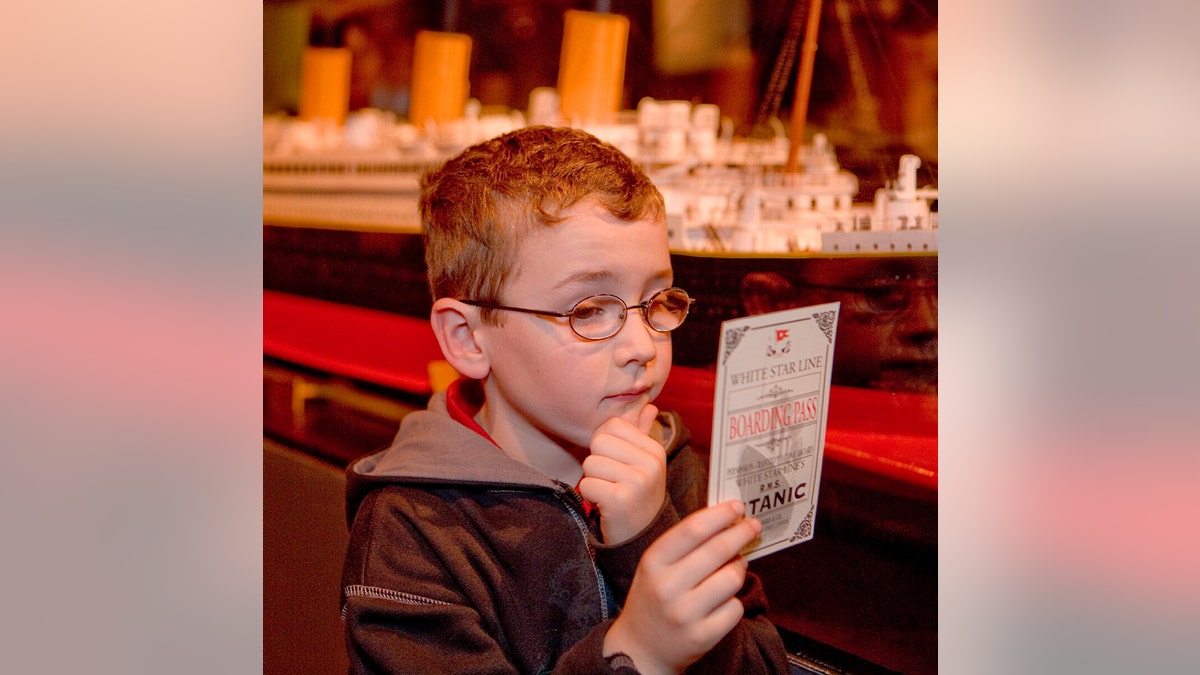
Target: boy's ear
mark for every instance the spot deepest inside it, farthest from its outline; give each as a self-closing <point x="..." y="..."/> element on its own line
<point x="454" y="326"/>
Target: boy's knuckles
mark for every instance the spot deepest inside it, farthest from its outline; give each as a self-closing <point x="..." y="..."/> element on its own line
<point x="661" y="595"/>
<point x="728" y="580"/>
<point x="734" y="538"/>
<point x="678" y="617"/>
<point x="729" y="614"/>
<point x="695" y="528"/>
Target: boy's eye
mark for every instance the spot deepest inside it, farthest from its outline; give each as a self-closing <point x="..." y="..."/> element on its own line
<point x="671" y="303"/>
<point x="592" y="309"/>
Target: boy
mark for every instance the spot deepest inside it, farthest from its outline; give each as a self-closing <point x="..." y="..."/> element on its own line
<point x="530" y="519"/>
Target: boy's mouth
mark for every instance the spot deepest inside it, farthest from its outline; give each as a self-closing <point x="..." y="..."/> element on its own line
<point x="629" y="396"/>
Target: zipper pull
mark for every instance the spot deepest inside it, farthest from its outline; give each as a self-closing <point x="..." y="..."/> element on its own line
<point x="575" y="498"/>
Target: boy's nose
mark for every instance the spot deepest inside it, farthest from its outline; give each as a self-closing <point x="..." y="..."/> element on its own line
<point x="635" y="340"/>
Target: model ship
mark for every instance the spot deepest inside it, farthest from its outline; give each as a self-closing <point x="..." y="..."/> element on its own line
<point x="723" y="194"/>
<point x="771" y="195"/>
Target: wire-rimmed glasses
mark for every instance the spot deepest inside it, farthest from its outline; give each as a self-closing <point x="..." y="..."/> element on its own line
<point x="599" y="317"/>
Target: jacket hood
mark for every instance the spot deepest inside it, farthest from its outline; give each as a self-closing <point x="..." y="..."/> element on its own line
<point x="432" y="449"/>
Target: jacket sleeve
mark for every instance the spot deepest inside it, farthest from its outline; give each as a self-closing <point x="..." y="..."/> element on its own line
<point x="422" y="624"/>
<point x="386" y="634"/>
<point x="754" y="645"/>
<point x="620" y="561"/>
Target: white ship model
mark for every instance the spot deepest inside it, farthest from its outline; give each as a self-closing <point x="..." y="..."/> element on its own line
<point x="728" y="195"/>
<point x="723" y="194"/>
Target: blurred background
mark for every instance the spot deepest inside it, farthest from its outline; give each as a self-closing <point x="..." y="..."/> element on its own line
<point x="874" y="81"/>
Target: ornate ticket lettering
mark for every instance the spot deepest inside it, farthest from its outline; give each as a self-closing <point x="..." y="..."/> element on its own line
<point x="772" y="395"/>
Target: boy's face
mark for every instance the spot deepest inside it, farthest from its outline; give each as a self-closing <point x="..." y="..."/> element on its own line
<point x="548" y="384"/>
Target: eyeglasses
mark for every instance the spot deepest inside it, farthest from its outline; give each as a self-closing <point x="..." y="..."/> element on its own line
<point x="887" y="296"/>
<point x="599" y="317"/>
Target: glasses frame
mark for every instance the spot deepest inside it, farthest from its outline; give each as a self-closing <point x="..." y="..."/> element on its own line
<point x="570" y="315"/>
<point x="919" y="283"/>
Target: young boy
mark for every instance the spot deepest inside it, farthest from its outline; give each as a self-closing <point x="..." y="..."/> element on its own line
<point x="542" y="515"/>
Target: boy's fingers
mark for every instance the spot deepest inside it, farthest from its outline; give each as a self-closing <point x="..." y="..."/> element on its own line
<point x="697" y="568"/>
<point x="628" y="446"/>
<point x="726" y="616"/>
<point x="634" y="413"/>
<point x="691" y="532"/>
<point x="604" y="468"/>
<point x="645" y="421"/>
<point x="635" y="442"/>
<point x="721" y="585"/>
<point x="711" y="554"/>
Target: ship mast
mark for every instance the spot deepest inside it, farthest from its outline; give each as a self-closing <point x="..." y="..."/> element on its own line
<point x="808" y="57"/>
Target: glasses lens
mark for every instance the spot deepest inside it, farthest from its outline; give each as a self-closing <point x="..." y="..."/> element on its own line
<point x="598" y="317"/>
<point x="668" y="309"/>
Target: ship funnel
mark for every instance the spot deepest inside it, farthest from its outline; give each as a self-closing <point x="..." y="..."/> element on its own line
<point x="907" y="186"/>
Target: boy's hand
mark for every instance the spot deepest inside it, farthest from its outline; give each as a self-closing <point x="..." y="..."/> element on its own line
<point x="682" y="599"/>
<point x="625" y="475"/>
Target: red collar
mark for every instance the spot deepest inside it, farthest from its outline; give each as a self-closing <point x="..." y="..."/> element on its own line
<point x="463" y="408"/>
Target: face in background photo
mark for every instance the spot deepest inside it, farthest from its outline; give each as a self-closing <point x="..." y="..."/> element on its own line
<point x="888" y="330"/>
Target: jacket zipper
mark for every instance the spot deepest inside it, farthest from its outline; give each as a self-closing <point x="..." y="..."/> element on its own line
<point x="574" y="504"/>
